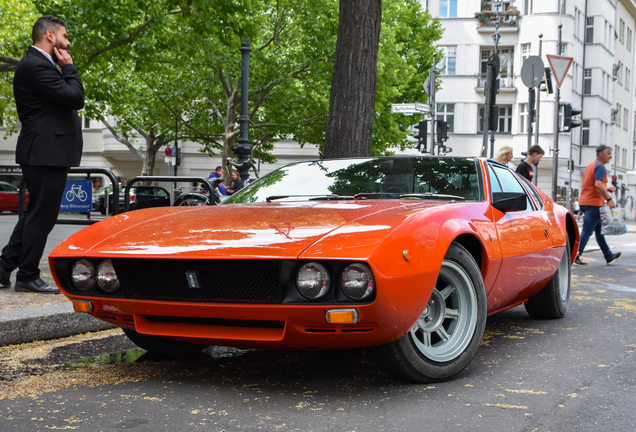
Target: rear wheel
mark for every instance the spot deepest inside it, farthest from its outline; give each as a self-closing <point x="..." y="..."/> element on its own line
<point x="162" y="345"/>
<point x="445" y="338"/>
<point x="553" y="300"/>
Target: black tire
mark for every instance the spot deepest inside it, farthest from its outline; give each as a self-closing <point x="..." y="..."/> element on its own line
<point x="553" y="300"/>
<point x="189" y="201"/>
<point x="162" y="345"/>
<point x="456" y="310"/>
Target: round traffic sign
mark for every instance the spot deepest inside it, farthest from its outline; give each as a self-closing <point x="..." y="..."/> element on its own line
<point x="532" y="71"/>
<point x="168" y="151"/>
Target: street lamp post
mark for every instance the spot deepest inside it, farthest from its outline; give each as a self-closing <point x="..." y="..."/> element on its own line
<point x="243" y="149"/>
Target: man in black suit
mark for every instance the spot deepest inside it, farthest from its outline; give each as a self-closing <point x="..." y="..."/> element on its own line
<point x="47" y="99"/>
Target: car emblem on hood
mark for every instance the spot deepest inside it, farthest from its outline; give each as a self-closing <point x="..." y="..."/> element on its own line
<point x="193" y="279"/>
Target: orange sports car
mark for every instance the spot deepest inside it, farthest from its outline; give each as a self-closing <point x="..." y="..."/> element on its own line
<point x="407" y="255"/>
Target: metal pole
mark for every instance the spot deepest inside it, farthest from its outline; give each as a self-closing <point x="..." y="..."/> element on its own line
<point x="176" y="146"/>
<point x="486" y="119"/>
<point x="529" y="114"/>
<point x="496" y="35"/>
<point x="243" y="149"/>
<point x="555" y="150"/>
<point x="432" y="77"/>
<point x="536" y="121"/>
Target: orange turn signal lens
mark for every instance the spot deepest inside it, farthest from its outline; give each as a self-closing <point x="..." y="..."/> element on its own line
<point x="406" y="254"/>
<point x="342" y="316"/>
<point x="83" y="306"/>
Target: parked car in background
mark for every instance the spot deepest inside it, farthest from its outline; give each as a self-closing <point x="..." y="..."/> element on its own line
<point x="404" y="255"/>
<point x="140" y="197"/>
<point x="9" y="198"/>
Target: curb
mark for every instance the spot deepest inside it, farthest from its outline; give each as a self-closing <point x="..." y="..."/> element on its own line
<point x="50" y="321"/>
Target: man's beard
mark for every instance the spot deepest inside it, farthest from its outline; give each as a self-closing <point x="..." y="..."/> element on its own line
<point x="59" y="46"/>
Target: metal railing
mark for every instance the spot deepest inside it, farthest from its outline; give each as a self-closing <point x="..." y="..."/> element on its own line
<point x="204" y="181"/>
<point x="80" y="170"/>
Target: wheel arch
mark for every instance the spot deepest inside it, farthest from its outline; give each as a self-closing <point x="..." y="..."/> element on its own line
<point x="572" y="232"/>
<point x="474" y="247"/>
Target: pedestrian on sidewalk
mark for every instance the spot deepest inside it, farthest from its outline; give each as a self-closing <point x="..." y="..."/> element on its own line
<point x="594" y="194"/>
<point x="526" y="167"/>
<point x="48" y="92"/>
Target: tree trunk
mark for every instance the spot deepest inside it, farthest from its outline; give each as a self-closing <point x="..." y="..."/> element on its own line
<point x="351" y="105"/>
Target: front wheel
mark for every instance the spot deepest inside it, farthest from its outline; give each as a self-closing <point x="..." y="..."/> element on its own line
<point x="162" y="345"/>
<point x="552" y="301"/>
<point x="446" y="336"/>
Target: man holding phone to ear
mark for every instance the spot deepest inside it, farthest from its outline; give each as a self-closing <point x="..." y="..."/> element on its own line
<point x="47" y="99"/>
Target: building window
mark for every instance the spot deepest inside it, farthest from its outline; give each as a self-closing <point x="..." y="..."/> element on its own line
<point x="628" y="42"/>
<point x="628" y="75"/>
<point x="525" y="52"/>
<point x="587" y="82"/>
<point x="589" y="30"/>
<point x="448" y="8"/>
<point x="494" y="4"/>
<point x="625" y="115"/>
<point x="504" y="122"/>
<point x="585" y="130"/>
<point x="561" y="7"/>
<point x="448" y="63"/>
<point x="506" y="76"/>
<point x="446" y="112"/>
<point x="527" y="7"/>
<point x="86" y="122"/>
<point x="523" y="117"/>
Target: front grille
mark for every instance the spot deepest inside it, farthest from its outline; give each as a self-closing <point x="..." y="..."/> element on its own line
<point x="226" y="281"/>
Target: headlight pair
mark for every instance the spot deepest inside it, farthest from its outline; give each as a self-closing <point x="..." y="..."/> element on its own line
<point x="314" y="281"/>
<point x="84" y="275"/>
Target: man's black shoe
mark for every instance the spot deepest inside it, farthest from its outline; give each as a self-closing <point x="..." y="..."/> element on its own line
<point x="5" y="278"/>
<point x="614" y="257"/>
<point x="36" y="286"/>
<point x="578" y="261"/>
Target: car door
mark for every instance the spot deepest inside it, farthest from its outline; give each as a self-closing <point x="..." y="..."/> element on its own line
<point x="525" y="246"/>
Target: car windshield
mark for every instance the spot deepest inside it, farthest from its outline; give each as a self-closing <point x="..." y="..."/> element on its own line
<point x="373" y="178"/>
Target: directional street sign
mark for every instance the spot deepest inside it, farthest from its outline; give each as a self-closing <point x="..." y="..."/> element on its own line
<point x="560" y="66"/>
<point x="409" y="109"/>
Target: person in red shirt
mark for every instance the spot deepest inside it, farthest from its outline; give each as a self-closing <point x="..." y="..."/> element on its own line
<point x="594" y="194"/>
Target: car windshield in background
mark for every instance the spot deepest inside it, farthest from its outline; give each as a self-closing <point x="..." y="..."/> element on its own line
<point x="374" y="178"/>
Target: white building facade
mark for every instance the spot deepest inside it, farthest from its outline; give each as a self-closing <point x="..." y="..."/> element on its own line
<point x="597" y="34"/>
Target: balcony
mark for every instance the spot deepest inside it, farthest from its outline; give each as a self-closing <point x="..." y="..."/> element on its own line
<point x="488" y="21"/>
<point x="506" y="82"/>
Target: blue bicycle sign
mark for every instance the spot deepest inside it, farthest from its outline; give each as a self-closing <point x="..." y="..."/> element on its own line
<point x="77" y="197"/>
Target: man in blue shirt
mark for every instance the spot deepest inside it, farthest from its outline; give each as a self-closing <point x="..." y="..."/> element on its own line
<point x="218" y="173"/>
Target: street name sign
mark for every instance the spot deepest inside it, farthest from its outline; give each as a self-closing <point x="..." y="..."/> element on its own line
<point x="560" y="66"/>
<point x="409" y="109"/>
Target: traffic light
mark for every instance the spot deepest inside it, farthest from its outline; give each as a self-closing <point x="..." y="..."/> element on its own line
<point x="177" y="161"/>
<point x="531" y="101"/>
<point x="421" y="135"/>
<point x="570" y="123"/>
<point x="442" y="131"/>
<point x="493" y="120"/>
<point x="547" y="80"/>
<point x="615" y="181"/>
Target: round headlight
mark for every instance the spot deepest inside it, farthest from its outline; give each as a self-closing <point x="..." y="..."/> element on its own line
<point x="106" y="277"/>
<point x="357" y="281"/>
<point x="83" y="275"/>
<point x="313" y="281"/>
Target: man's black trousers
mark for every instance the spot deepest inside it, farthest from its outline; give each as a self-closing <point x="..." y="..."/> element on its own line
<point x="46" y="186"/>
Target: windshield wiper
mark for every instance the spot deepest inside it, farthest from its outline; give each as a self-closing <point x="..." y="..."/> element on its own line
<point x="428" y="195"/>
<point x="315" y="198"/>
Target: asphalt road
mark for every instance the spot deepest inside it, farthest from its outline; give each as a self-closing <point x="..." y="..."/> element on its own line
<point x="573" y="374"/>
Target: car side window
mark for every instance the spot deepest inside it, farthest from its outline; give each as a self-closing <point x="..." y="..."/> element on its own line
<point x="161" y="193"/>
<point x="534" y="193"/>
<point x="495" y="186"/>
<point x="510" y="184"/>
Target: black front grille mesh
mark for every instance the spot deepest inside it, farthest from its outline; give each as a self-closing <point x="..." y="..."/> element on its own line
<point x="227" y="281"/>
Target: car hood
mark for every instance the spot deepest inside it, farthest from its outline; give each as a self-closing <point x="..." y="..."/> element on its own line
<point x="274" y="230"/>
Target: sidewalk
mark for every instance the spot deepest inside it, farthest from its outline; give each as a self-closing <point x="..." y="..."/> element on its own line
<point x="25" y="317"/>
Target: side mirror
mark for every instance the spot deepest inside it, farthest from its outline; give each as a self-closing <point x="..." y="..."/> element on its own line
<point x="509" y="201"/>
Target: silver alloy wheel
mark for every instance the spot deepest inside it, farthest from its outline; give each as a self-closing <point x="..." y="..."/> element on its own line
<point x="448" y="323"/>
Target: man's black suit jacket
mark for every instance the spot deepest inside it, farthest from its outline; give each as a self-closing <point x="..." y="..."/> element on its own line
<point x="47" y="103"/>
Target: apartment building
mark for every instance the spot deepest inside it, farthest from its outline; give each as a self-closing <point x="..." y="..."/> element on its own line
<point x="598" y="35"/>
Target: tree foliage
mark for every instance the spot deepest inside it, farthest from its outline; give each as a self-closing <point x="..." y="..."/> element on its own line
<point x="146" y="62"/>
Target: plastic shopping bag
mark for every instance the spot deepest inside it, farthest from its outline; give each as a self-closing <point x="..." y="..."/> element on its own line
<point x="613" y="221"/>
